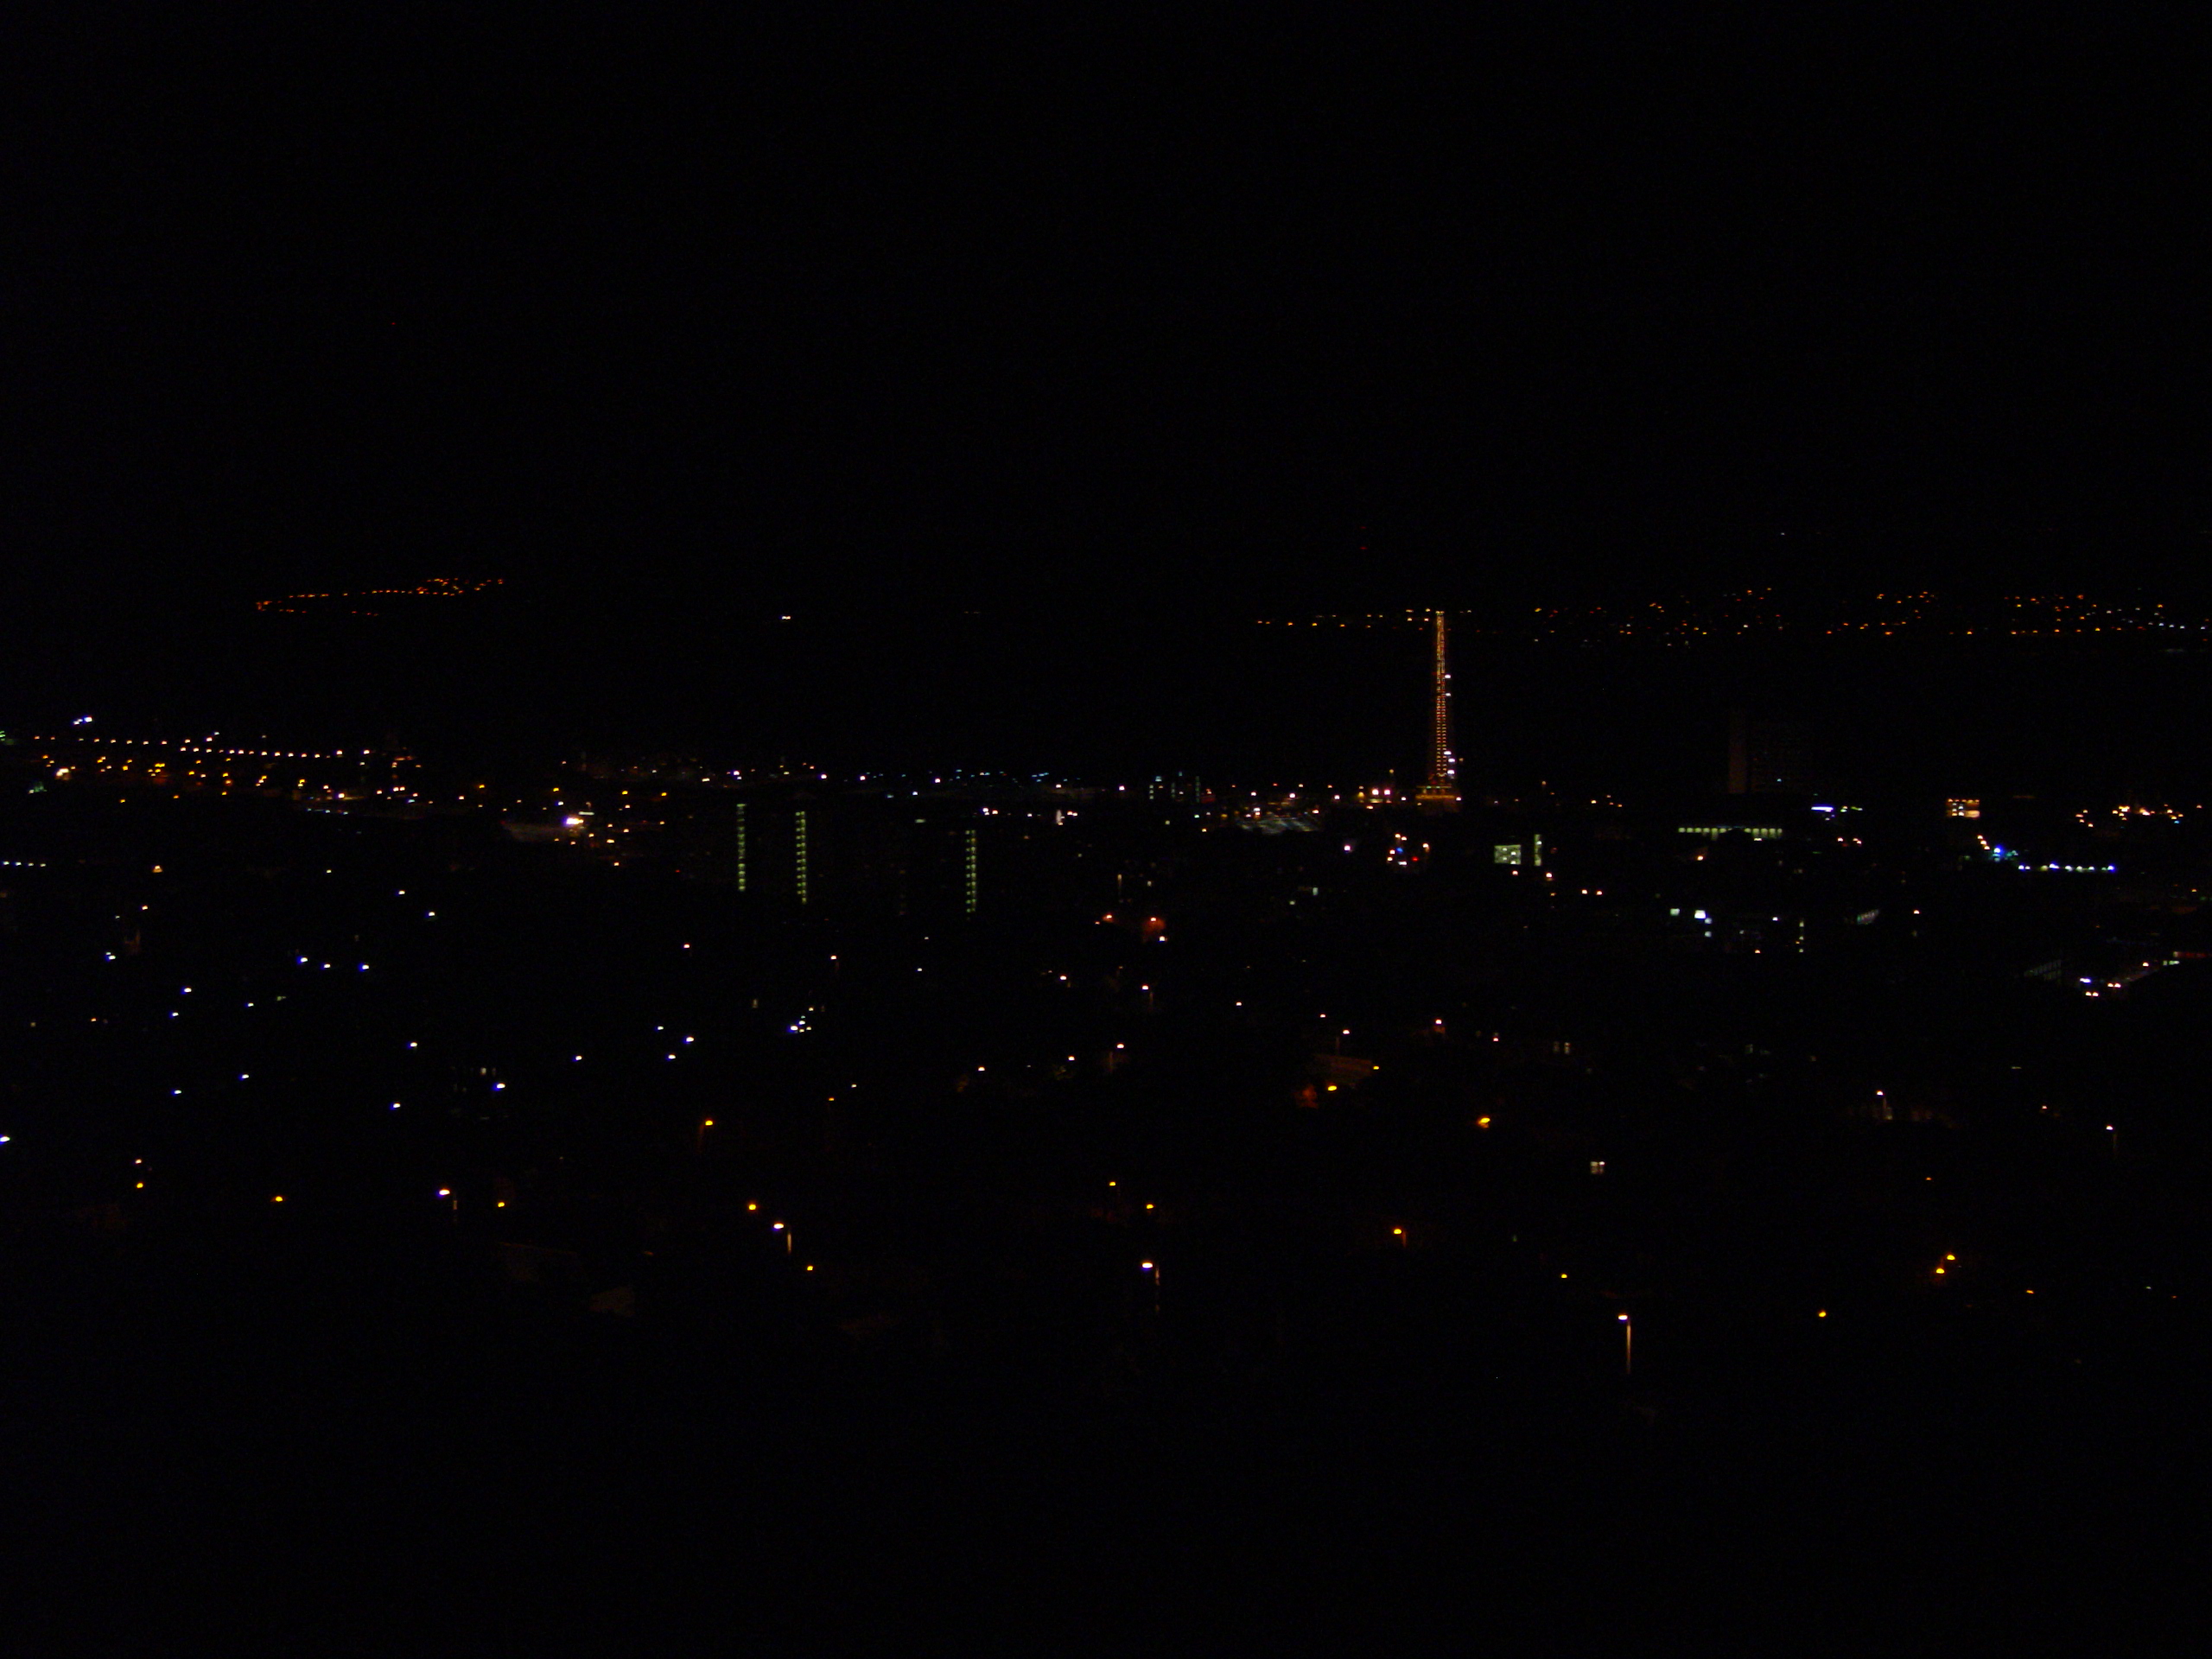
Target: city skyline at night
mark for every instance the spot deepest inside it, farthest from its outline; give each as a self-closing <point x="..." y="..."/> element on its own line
<point x="1119" y="831"/>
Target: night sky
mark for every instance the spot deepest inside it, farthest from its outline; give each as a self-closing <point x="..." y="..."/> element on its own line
<point x="1311" y="308"/>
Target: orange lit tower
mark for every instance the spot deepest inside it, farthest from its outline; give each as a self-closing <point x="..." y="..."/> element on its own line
<point x="1441" y="792"/>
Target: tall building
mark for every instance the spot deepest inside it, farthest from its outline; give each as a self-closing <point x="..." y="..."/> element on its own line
<point x="1441" y="792"/>
<point x="834" y="854"/>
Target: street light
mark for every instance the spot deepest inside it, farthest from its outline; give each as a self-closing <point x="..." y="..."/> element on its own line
<point x="1628" y="1346"/>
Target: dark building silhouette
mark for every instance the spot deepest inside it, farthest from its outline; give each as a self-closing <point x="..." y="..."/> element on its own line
<point x="1767" y="757"/>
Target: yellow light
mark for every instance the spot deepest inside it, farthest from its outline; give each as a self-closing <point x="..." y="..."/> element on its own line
<point x="752" y="1206"/>
<point x="1822" y="1314"/>
<point x="1397" y="1232"/>
<point x="1482" y="1122"/>
<point x="279" y="1198"/>
<point x="1950" y="1258"/>
<point x="1939" y="1270"/>
<point x="709" y="1124"/>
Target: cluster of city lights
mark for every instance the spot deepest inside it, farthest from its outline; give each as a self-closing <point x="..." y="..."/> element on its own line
<point x="2032" y="615"/>
<point x="2124" y="814"/>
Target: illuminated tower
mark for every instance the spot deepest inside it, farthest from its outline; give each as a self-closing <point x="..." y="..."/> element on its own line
<point x="1441" y="792"/>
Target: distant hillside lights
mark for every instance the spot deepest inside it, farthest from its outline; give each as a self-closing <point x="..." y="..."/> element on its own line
<point x="431" y="587"/>
<point x="1686" y="620"/>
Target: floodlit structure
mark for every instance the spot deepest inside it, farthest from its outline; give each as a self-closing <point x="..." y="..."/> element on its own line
<point x="1440" y="793"/>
